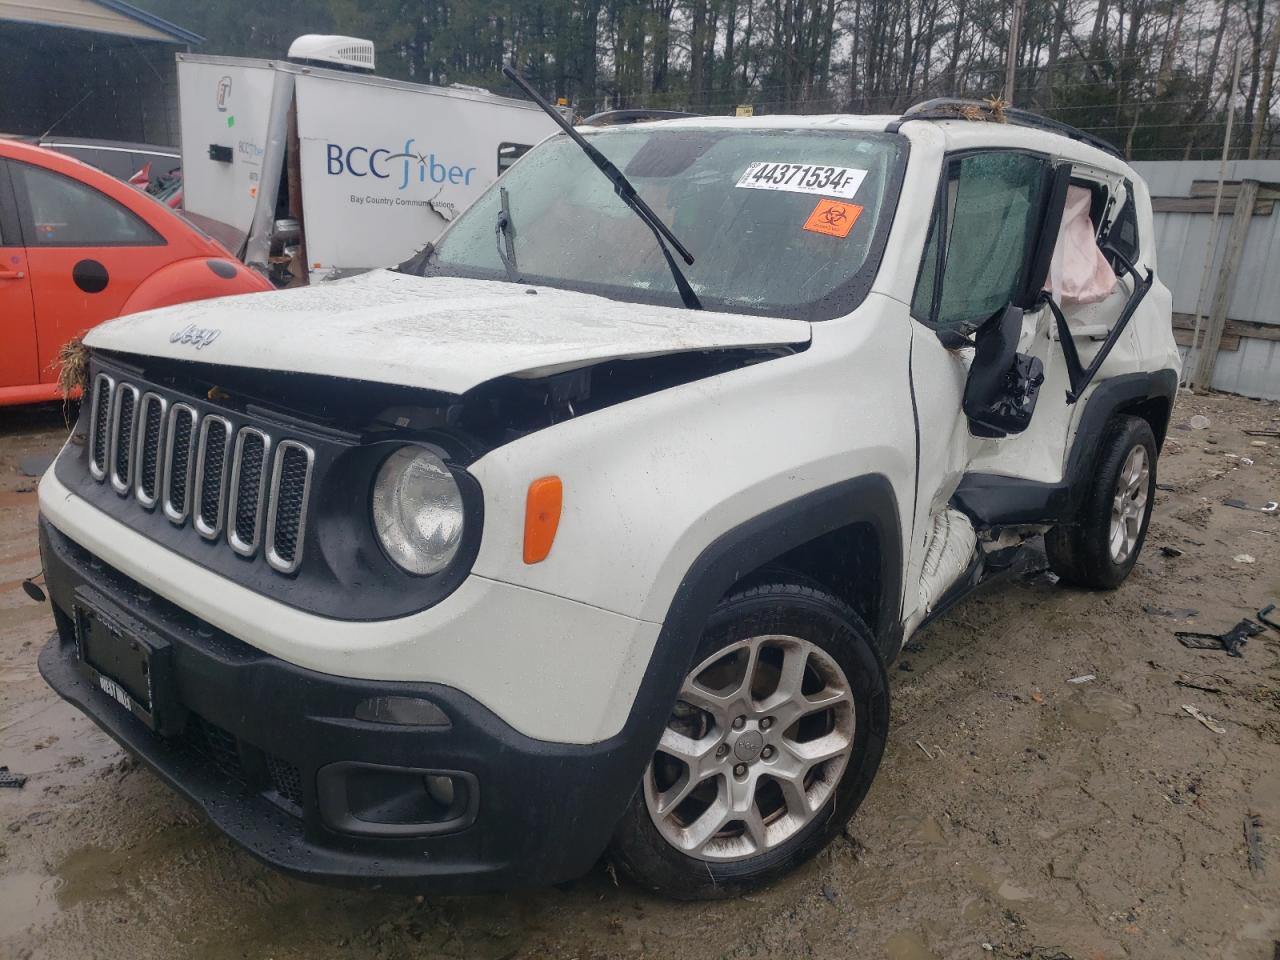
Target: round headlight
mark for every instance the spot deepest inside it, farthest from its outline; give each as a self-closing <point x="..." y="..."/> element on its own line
<point x="417" y="510"/>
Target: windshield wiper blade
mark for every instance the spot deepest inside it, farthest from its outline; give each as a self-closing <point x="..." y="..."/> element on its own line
<point x="624" y="189"/>
<point x="506" y="235"/>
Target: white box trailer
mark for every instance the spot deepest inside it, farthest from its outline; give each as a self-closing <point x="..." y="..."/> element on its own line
<point x="371" y="169"/>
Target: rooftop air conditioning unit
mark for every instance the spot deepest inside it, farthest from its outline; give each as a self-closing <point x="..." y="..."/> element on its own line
<point x="345" y="53"/>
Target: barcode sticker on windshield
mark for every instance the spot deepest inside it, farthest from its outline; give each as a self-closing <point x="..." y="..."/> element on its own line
<point x="829" y="181"/>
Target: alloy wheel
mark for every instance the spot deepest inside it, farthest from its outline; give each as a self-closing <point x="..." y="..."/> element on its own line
<point x="1129" y="505"/>
<point x="760" y="735"/>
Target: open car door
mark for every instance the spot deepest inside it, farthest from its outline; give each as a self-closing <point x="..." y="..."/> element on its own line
<point x="980" y="350"/>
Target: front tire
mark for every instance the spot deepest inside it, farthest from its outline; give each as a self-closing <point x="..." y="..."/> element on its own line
<point x="1102" y="546"/>
<point x="775" y="738"/>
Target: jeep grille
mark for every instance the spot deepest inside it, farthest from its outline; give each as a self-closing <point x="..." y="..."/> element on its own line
<point x="240" y="484"/>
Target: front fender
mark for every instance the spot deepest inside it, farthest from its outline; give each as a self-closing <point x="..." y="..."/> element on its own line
<point x="651" y="482"/>
<point x="199" y="278"/>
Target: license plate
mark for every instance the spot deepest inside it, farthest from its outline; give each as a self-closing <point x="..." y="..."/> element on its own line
<point x="123" y="658"/>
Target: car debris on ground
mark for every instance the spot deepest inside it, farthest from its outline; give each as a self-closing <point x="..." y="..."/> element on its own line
<point x="1264" y="616"/>
<point x="1232" y="641"/>
<point x="1208" y="682"/>
<point x="1204" y="718"/>
<point x="1253" y="840"/>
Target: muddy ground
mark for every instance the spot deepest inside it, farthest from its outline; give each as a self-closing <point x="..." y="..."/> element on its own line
<point x="1016" y="814"/>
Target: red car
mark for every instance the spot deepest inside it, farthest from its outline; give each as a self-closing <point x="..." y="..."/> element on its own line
<point x="78" y="247"/>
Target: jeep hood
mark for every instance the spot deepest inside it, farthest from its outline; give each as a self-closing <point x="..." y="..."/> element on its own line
<point x="440" y="333"/>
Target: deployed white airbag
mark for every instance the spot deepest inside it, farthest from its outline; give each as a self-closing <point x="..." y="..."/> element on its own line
<point x="1078" y="272"/>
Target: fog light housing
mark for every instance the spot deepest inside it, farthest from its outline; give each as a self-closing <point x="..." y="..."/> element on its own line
<point x="373" y="800"/>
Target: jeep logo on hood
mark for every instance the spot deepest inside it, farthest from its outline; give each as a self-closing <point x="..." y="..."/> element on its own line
<point x="199" y="337"/>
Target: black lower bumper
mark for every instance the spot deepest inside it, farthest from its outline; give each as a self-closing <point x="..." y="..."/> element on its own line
<point x="263" y="748"/>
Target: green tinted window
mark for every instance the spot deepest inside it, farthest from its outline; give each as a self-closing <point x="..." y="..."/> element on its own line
<point x="990" y="208"/>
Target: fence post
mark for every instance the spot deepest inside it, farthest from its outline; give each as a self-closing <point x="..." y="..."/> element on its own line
<point x="1207" y="354"/>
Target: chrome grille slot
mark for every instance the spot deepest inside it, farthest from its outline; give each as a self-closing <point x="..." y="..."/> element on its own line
<point x="248" y="484"/>
<point x="100" y="421"/>
<point x="179" y="447"/>
<point x="192" y="457"/>
<point x="211" y="476"/>
<point x="124" y="417"/>
<point x="151" y="416"/>
<point x="287" y="507"/>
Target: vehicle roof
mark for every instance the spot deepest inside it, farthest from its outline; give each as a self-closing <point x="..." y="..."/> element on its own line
<point x="93" y="143"/>
<point x="780" y="121"/>
<point x="43" y="156"/>
<point x="958" y="134"/>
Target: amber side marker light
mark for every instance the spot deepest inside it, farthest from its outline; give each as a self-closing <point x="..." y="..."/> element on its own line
<point x="542" y="517"/>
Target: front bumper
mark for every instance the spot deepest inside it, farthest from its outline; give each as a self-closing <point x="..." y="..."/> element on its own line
<point x="259" y="733"/>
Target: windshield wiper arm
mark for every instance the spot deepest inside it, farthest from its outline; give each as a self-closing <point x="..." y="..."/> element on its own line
<point x="506" y="235"/>
<point x="624" y="189"/>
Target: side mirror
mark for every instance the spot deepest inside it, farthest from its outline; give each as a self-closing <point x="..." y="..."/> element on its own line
<point x="1041" y="254"/>
<point x="1000" y="394"/>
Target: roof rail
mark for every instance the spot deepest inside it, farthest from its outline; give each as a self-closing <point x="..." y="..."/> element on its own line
<point x="613" y="118"/>
<point x="953" y="108"/>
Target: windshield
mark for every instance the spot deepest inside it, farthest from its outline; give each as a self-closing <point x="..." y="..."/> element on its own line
<point x="781" y="222"/>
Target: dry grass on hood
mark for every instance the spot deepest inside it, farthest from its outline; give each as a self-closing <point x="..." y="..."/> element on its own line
<point x="73" y="374"/>
<point x="73" y="367"/>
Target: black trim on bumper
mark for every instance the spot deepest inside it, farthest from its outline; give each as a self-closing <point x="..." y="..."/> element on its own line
<point x="545" y="810"/>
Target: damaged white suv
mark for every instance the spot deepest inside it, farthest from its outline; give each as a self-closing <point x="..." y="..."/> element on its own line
<point x="592" y="529"/>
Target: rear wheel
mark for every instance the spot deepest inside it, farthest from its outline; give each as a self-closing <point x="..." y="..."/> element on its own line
<point x="774" y="739"/>
<point x="1102" y="546"/>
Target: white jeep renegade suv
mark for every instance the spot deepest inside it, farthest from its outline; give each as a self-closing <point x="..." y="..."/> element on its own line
<point x="593" y="527"/>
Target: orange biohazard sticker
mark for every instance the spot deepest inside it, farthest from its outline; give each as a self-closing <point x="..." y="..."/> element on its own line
<point x="835" y="218"/>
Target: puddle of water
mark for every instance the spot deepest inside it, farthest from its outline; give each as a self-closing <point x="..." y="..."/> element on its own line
<point x="1008" y="890"/>
<point x="995" y="885"/>
<point x="29" y="900"/>
<point x="925" y="831"/>
<point x="98" y="873"/>
<point x="1095" y="711"/>
<point x="908" y="945"/>
<point x="91" y="873"/>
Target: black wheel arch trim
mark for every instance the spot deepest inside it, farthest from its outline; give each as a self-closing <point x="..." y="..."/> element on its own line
<point x="737" y="552"/>
<point x="991" y="500"/>
<point x="865" y="499"/>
